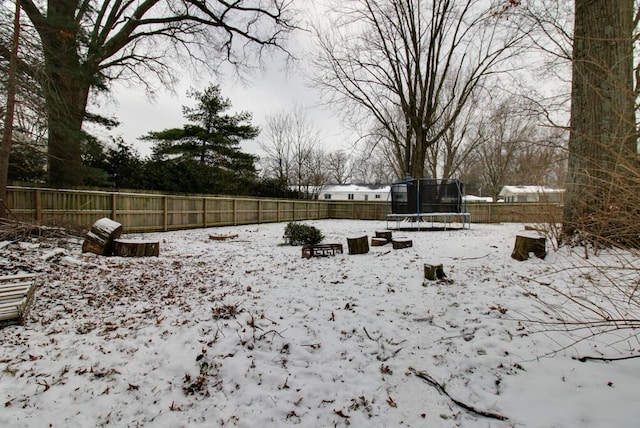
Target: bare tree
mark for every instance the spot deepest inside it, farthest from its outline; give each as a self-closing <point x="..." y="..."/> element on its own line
<point x="390" y="56"/>
<point x="447" y="155"/>
<point x="277" y="146"/>
<point x="339" y="167"/>
<point x="318" y="175"/>
<point x="87" y="44"/>
<point x="291" y="147"/>
<point x="373" y="165"/>
<point x="499" y="138"/>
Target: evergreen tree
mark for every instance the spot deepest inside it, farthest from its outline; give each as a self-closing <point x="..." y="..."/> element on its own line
<point x="204" y="155"/>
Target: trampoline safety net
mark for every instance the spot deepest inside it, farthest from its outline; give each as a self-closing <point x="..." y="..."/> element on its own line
<point x="427" y="195"/>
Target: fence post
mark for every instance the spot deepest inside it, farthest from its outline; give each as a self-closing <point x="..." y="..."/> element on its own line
<point x="278" y="211"/>
<point x="259" y="211"/>
<point x="38" y="204"/>
<point x="235" y="213"/>
<point x="114" y="208"/>
<point x="165" y="214"/>
<point x="204" y="212"/>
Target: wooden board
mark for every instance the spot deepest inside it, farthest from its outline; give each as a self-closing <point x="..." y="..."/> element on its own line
<point x="16" y="295"/>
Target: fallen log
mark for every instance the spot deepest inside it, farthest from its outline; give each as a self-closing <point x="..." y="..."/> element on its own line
<point x="135" y="248"/>
<point x="99" y="239"/>
<point x="223" y="237"/>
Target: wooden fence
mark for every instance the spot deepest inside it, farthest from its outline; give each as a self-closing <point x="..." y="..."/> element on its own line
<point x="143" y="212"/>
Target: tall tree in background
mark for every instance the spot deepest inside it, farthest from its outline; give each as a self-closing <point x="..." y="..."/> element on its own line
<point x="339" y="167"/>
<point x="603" y="136"/>
<point x="209" y="146"/>
<point x="291" y="146"/>
<point x="88" y="43"/>
<point x="416" y="57"/>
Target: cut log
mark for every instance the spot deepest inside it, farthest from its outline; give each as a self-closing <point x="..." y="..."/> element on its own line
<point x="386" y="234"/>
<point x="401" y="243"/>
<point x="100" y="237"/>
<point x="527" y="244"/>
<point x="222" y="237"/>
<point x="433" y="272"/>
<point x="378" y="242"/>
<point x="358" y="245"/>
<point x="135" y="248"/>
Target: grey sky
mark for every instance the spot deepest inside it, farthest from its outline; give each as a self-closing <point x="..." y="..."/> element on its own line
<point x="264" y="93"/>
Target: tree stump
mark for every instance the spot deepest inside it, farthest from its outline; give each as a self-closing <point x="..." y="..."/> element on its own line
<point x="433" y="272"/>
<point x="100" y="237"/>
<point x="527" y="244"/>
<point x="385" y="234"/>
<point x="401" y="243"/>
<point x="377" y="242"/>
<point x="134" y="248"/>
<point x="358" y="245"/>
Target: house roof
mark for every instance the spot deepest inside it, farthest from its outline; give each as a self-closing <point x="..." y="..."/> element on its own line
<point x="355" y="188"/>
<point x="521" y="190"/>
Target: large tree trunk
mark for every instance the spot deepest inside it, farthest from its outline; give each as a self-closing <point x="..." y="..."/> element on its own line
<point x="602" y="142"/>
<point x="66" y="92"/>
<point x="7" y="134"/>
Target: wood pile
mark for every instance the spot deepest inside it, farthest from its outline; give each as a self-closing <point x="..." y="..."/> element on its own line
<point x="103" y="239"/>
<point x="100" y="237"/>
<point x="384" y="234"/>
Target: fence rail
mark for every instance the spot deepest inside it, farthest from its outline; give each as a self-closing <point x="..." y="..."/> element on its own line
<point x="143" y="212"/>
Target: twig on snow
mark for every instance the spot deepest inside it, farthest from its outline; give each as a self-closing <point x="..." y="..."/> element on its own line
<point x="369" y="336"/>
<point x="431" y="381"/>
<point x="587" y="358"/>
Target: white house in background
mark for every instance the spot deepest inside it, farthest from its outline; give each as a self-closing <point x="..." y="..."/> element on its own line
<point x="477" y="199"/>
<point x="531" y="194"/>
<point x="354" y="192"/>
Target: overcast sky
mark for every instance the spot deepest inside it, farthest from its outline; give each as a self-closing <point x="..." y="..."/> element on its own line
<point x="265" y="93"/>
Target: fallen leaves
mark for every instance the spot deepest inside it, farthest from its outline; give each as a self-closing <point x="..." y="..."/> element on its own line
<point x="391" y="403"/>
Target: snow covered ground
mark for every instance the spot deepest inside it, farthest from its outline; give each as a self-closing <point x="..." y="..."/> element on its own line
<point x="247" y="333"/>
